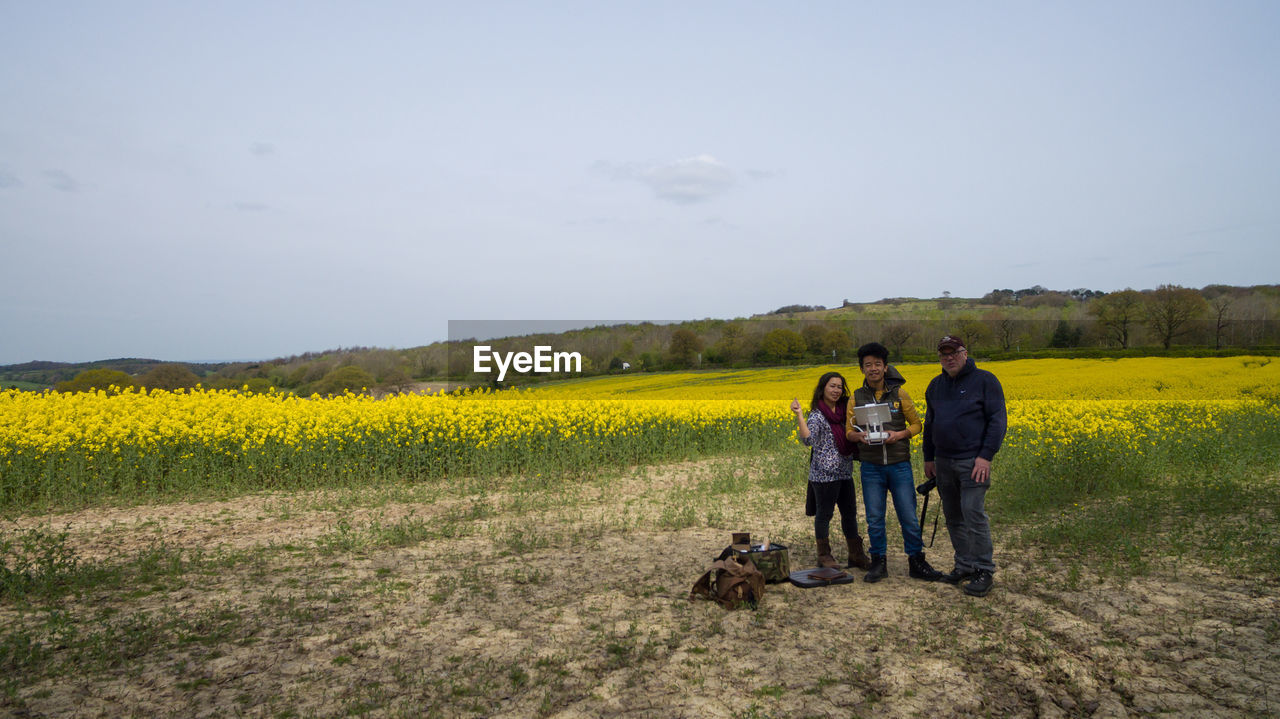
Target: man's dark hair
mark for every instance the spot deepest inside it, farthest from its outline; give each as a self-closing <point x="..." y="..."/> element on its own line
<point x="873" y="349"/>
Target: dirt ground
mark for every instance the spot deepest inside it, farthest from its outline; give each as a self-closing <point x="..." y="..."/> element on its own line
<point x="573" y="601"/>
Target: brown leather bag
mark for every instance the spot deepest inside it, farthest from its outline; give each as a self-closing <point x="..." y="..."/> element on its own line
<point x="731" y="583"/>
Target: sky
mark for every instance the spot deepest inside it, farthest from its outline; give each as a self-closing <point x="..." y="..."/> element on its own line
<point x="248" y="180"/>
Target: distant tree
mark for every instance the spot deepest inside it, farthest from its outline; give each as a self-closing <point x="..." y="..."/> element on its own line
<point x="1170" y="309"/>
<point x="395" y="380"/>
<point x="813" y="336"/>
<point x="974" y="333"/>
<point x="384" y="365"/>
<point x="730" y="345"/>
<point x="1256" y="318"/>
<point x="169" y="376"/>
<point x="685" y="344"/>
<point x="256" y="385"/>
<point x="781" y="345"/>
<point x="1218" y="308"/>
<point x="792" y="309"/>
<point x="896" y="336"/>
<point x="1118" y="313"/>
<point x="343" y="379"/>
<point x="297" y="376"/>
<point x="1064" y="335"/>
<point x="749" y="346"/>
<point x="1004" y="327"/>
<point x="1084" y="294"/>
<point x="1045" y="298"/>
<point x="1000" y="297"/>
<point x="1212" y="292"/>
<point x="835" y="344"/>
<point x="111" y="381"/>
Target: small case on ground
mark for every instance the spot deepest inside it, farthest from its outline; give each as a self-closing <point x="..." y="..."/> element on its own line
<point x="819" y="577"/>
<point x="773" y="560"/>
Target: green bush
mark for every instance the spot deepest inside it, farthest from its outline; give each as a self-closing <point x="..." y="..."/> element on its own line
<point x="109" y="380"/>
<point x="170" y="377"/>
<point x="343" y="379"/>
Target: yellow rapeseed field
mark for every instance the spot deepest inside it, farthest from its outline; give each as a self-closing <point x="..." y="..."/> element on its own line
<point x="1056" y="379"/>
<point x="58" y="448"/>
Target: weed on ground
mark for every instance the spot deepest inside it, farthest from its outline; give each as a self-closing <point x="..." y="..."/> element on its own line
<point x="569" y="597"/>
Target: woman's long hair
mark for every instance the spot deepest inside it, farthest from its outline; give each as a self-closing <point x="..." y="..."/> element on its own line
<point x="822" y="382"/>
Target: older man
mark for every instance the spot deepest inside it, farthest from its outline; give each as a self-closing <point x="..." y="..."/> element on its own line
<point x="964" y="424"/>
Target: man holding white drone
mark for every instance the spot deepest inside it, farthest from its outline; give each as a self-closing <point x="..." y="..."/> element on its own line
<point x="964" y="424"/>
<point x="885" y="452"/>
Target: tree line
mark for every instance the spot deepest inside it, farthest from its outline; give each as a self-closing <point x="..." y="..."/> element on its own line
<point x="1002" y="324"/>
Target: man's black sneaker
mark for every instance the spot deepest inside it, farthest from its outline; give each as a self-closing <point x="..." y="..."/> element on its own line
<point x="979" y="584"/>
<point x="955" y="576"/>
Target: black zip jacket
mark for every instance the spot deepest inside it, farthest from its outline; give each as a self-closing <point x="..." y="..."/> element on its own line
<point x="964" y="415"/>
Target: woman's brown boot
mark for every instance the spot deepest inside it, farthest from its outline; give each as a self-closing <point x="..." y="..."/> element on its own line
<point x="825" y="559"/>
<point x="857" y="557"/>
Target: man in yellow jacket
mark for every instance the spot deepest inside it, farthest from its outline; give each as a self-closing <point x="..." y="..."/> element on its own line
<point x="886" y="466"/>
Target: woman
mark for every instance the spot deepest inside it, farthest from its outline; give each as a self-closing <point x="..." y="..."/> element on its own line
<point x="831" y="468"/>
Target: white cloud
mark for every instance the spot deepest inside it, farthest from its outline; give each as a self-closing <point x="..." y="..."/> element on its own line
<point x="693" y="179"/>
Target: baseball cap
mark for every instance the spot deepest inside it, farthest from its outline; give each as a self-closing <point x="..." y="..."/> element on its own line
<point x="950" y="342"/>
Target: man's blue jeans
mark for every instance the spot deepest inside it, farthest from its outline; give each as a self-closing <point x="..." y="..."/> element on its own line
<point x="879" y="481"/>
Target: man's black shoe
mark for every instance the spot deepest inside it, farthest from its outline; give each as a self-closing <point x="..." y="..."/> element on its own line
<point x="879" y="569"/>
<point x="979" y="584"/>
<point x="918" y="568"/>
<point x="955" y="576"/>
